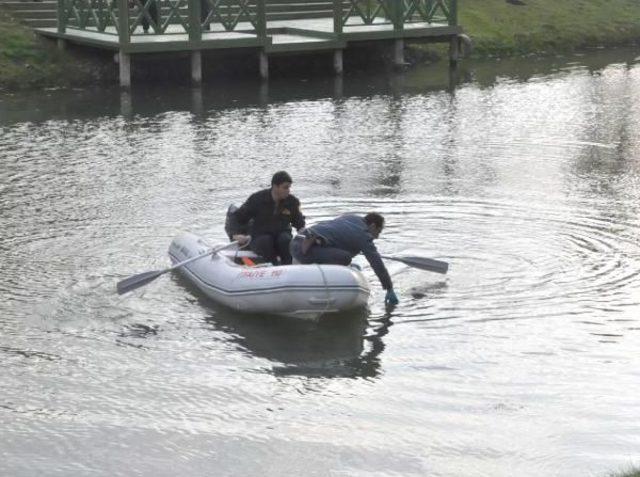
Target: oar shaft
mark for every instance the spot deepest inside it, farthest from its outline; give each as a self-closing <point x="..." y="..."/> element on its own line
<point x="136" y="281"/>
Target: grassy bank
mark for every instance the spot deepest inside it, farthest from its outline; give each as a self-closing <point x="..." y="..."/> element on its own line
<point x="27" y="62"/>
<point x="544" y="27"/>
<point x="499" y="28"/>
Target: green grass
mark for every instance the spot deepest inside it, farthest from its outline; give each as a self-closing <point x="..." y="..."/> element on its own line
<point x="18" y="51"/>
<point x="27" y="62"/>
<point x="547" y="27"/>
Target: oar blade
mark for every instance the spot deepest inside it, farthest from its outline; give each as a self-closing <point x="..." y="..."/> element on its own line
<point x="136" y="281"/>
<point x="425" y="263"/>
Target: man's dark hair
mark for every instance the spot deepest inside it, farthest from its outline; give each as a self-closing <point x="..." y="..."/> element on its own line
<point x="374" y="218"/>
<point x="281" y="177"/>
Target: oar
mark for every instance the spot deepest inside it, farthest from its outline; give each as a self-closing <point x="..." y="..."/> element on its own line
<point x="423" y="263"/>
<point x="136" y="281"/>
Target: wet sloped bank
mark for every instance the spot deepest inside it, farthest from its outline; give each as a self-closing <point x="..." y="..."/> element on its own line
<point x="28" y="62"/>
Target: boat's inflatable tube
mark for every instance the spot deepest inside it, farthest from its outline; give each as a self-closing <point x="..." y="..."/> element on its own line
<point x="303" y="291"/>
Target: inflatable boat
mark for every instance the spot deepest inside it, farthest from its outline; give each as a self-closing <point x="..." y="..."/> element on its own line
<point x="230" y="277"/>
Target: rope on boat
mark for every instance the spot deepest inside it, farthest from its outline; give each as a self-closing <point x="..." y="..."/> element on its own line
<point x="326" y="288"/>
<point x="240" y="247"/>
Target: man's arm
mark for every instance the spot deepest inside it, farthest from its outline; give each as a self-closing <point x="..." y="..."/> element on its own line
<point x="297" y="219"/>
<point x="373" y="257"/>
<point x="239" y="219"/>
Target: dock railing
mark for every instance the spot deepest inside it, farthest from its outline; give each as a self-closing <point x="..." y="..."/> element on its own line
<point x="396" y="12"/>
<point x="128" y="18"/>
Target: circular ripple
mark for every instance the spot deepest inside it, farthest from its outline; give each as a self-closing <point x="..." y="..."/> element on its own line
<point x="517" y="260"/>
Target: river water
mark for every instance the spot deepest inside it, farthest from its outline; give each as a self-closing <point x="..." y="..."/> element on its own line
<point x="524" y="360"/>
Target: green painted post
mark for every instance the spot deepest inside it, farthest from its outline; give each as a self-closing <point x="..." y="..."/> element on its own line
<point x="62" y="24"/>
<point x="123" y="23"/>
<point x="398" y="15"/>
<point x="337" y="17"/>
<point x="398" y="27"/>
<point x="195" y="28"/>
<point x="261" y="20"/>
<point x="453" y="13"/>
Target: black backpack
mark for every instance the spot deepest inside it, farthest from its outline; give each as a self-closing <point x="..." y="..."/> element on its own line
<point x="231" y="224"/>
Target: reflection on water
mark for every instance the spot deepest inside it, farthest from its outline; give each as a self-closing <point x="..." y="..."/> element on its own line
<point x="158" y="99"/>
<point x="333" y="347"/>
<point x="339" y="345"/>
<point x="523" y="174"/>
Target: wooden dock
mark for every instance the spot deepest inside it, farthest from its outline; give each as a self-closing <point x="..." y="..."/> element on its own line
<point x="131" y="27"/>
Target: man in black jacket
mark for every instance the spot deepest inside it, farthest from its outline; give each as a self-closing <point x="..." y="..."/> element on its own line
<point x="273" y="211"/>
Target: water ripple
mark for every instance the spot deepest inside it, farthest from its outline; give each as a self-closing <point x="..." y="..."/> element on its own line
<point x="528" y="188"/>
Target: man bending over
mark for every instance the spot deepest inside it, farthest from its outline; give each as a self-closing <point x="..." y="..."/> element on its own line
<point x="337" y="241"/>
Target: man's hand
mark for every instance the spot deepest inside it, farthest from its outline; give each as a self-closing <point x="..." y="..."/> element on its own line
<point x="391" y="298"/>
<point x="241" y="239"/>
